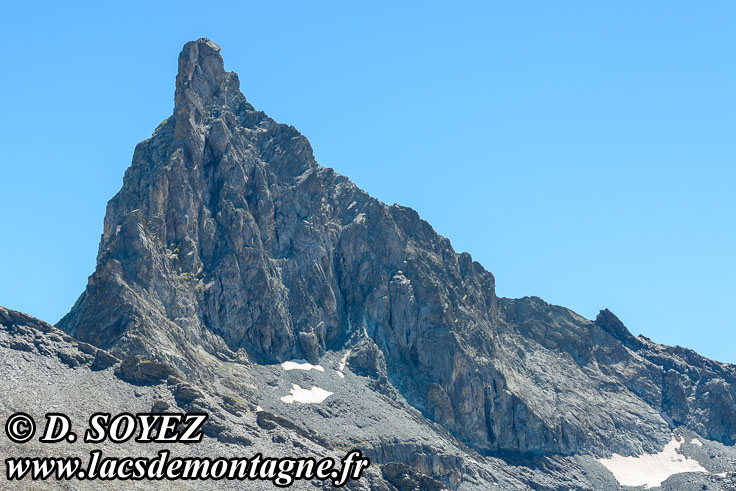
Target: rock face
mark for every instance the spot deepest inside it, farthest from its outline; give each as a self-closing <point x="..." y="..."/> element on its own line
<point x="228" y="242"/>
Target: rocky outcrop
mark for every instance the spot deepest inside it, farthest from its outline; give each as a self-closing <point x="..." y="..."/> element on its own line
<point x="30" y="335"/>
<point x="229" y="242"/>
<point x="138" y="371"/>
<point x="405" y="478"/>
<point x="366" y="359"/>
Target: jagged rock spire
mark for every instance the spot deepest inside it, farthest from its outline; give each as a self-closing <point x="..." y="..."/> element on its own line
<point x="609" y="322"/>
<point x="201" y="78"/>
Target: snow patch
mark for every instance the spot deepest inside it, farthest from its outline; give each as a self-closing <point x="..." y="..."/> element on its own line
<point x="341" y="365"/>
<point x="314" y="395"/>
<point x="300" y="365"/>
<point x="651" y="470"/>
<point x="259" y="409"/>
<point x="697" y="442"/>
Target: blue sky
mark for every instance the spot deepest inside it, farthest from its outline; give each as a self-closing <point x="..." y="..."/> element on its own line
<point x="583" y="152"/>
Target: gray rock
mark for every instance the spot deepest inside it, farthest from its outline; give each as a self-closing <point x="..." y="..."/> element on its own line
<point x="103" y="360"/>
<point x="228" y="247"/>
<point x="366" y="359"/>
<point x="21" y="345"/>
<point x="160" y="406"/>
<point x="139" y="371"/>
<point x="405" y="478"/>
<point x="186" y="393"/>
<point x="73" y="358"/>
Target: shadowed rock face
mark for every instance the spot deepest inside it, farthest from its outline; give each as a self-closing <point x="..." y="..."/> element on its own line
<point x="228" y="241"/>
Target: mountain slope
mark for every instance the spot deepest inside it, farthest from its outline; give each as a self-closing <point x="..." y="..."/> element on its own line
<point x="228" y="243"/>
<point x="43" y="370"/>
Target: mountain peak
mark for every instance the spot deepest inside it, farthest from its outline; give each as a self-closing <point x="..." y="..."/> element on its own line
<point x="609" y="322"/>
<point x="201" y="77"/>
<point x="208" y="42"/>
<point x="228" y="247"/>
<point x="201" y="68"/>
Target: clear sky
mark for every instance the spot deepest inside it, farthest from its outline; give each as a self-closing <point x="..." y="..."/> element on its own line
<point x="584" y="152"/>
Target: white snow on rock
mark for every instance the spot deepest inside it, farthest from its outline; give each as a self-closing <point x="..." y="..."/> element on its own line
<point x="697" y="442"/>
<point x="301" y="365"/>
<point x="315" y="395"/>
<point x="651" y="470"/>
<point x="341" y="365"/>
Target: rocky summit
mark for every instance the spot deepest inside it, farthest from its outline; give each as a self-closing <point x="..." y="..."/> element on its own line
<point x="234" y="272"/>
